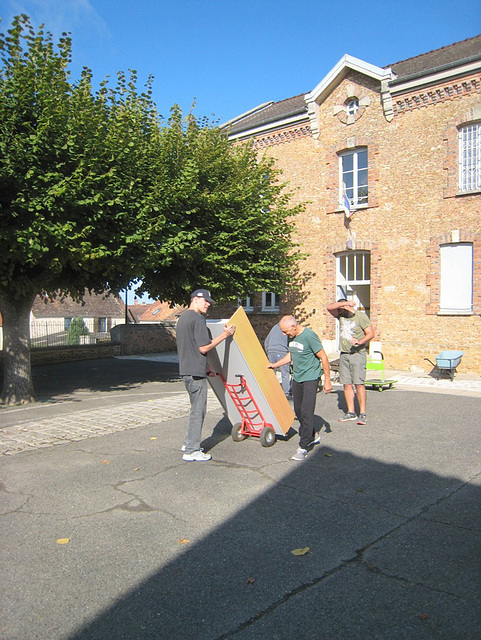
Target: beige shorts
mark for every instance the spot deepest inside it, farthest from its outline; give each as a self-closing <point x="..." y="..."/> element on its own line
<point x="352" y="368"/>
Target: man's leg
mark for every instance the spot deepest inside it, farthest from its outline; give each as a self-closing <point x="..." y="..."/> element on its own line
<point x="349" y="397"/>
<point x="306" y="417"/>
<point x="359" y="378"/>
<point x="345" y="378"/>
<point x="361" y="397"/>
<point x="197" y="390"/>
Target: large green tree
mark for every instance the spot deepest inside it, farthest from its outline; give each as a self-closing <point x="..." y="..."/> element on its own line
<point x="227" y="214"/>
<point x="96" y="191"/>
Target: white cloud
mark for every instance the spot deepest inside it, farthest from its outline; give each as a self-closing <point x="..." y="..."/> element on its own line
<point x="58" y="16"/>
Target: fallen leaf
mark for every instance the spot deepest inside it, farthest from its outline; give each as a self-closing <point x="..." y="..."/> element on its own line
<point x="153" y="438"/>
<point x="250" y="580"/>
<point x="137" y="469"/>
<point x="183" y="540"/>
<point x="328" y="455"/>
<point x="300" y="552"/>
<point x="63" y="540"/>
<point x="105" y="461"/>
<point x="424" y="616"/>
<point x="361" y="490"/>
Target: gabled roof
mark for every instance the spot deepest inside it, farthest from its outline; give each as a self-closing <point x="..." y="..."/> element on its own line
<point x="96" y="306"/>
<point x="271" y="115"/>
<point x="340" y="70"/>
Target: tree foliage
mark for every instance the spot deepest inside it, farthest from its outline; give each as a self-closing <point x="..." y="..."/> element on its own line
<point x="226" y="221"/>
<point x="96" y="191"/>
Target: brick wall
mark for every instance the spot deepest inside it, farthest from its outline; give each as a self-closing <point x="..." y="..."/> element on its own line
<point x="412" y="206"/>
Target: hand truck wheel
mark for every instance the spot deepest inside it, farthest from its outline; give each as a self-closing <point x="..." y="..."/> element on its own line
<point x="236" y="432"/>
<point x="267" y="437"/>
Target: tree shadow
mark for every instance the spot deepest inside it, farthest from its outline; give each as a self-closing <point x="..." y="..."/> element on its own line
<point x="366" y="531"/>
<point x="54" y="382"/>
<point x="390" y="548"/>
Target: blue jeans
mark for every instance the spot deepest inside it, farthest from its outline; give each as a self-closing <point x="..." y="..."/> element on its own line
<point x="197" y="390"/>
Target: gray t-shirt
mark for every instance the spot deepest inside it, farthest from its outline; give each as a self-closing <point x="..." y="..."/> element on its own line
<point x="276" y="341"/>
<point x="192" y="333"/>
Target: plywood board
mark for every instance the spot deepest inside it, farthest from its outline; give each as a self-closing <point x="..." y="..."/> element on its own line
<point x="244" y="355"/>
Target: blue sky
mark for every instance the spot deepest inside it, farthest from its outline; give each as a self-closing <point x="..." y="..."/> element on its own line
<point x="231" y="56"/>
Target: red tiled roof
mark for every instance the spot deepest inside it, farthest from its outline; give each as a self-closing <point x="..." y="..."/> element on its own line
<point x="95" y="306"/>
<point x="161" y="310"/>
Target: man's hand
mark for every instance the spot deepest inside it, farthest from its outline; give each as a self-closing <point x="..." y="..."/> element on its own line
<point x="229" y="330"/>
<point x="327" y="386"/>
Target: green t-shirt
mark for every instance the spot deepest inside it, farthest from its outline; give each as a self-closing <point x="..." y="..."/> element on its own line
<point x="353" y="327"/>
<point x="303" y="348"/>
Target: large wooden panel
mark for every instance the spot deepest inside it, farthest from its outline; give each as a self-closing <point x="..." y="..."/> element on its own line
<point x="244" y="355"/>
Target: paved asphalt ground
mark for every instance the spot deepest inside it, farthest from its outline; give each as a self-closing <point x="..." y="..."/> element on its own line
<point x="158" y="548"/>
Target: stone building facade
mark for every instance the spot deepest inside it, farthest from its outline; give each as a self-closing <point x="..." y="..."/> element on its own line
<point x="403" y="145"/>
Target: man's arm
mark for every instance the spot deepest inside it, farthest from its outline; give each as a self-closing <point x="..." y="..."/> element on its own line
<point x="285" y="360"/>
<point x="368" y="335"/>
<point x="335" y="307"/>
<point x="229" y="331"/>
<point x="322" y="355"/>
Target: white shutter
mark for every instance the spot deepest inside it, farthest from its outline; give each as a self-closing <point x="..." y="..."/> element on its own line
<point x="456" y="278"/>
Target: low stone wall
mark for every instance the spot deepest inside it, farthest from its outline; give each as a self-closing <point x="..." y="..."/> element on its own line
<point x="52" y="355"/>
<point x="144" y="338"/>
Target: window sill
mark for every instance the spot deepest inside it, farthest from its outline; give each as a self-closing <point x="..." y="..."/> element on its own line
<point x="360" y="207"/>
<point x="452" y="312"/>
<point x="476" y="192"/>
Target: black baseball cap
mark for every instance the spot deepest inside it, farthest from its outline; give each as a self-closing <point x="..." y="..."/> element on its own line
<point x="202" y="293"/>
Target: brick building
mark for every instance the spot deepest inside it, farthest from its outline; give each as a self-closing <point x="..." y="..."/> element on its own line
<point x="399" y="149"/>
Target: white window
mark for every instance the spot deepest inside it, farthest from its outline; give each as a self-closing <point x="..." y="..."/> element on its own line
<point x="353" y="177"/>
<point x="353" y="278"/>
<point x="270" y="301"/>
<point x="246" y="303"/>
<point x="352" y="107"/>
<point x="456" y="295"/>
<point x="470" y="157"/>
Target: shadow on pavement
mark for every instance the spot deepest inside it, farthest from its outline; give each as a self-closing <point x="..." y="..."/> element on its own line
<point x="380" y="565"/>
<point x="105" y="374"/>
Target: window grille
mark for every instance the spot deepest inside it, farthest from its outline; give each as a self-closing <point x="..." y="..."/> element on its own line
<point x="470" y="157"/>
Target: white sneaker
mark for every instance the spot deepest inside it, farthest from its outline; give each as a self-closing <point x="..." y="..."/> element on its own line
<point x="300" y="454"/>
<point x="317" y="439"/>
<point x="196" y="456"/>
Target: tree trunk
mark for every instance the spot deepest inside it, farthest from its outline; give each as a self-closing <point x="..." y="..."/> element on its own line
<point x="17" y="378"/>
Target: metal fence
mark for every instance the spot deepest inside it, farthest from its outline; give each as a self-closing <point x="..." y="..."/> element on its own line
<point x="44" y="334"/>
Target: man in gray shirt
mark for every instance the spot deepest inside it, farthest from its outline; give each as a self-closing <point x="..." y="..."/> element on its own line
<point x="276" y="346"/>
<point x="193" y="343"/>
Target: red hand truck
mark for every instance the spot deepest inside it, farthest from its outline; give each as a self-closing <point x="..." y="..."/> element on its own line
<point x="253" y="422"/>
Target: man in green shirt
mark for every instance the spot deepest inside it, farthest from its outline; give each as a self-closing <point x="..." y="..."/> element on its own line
<point x="355" y="333"/>
<point x="306" y="354"/>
